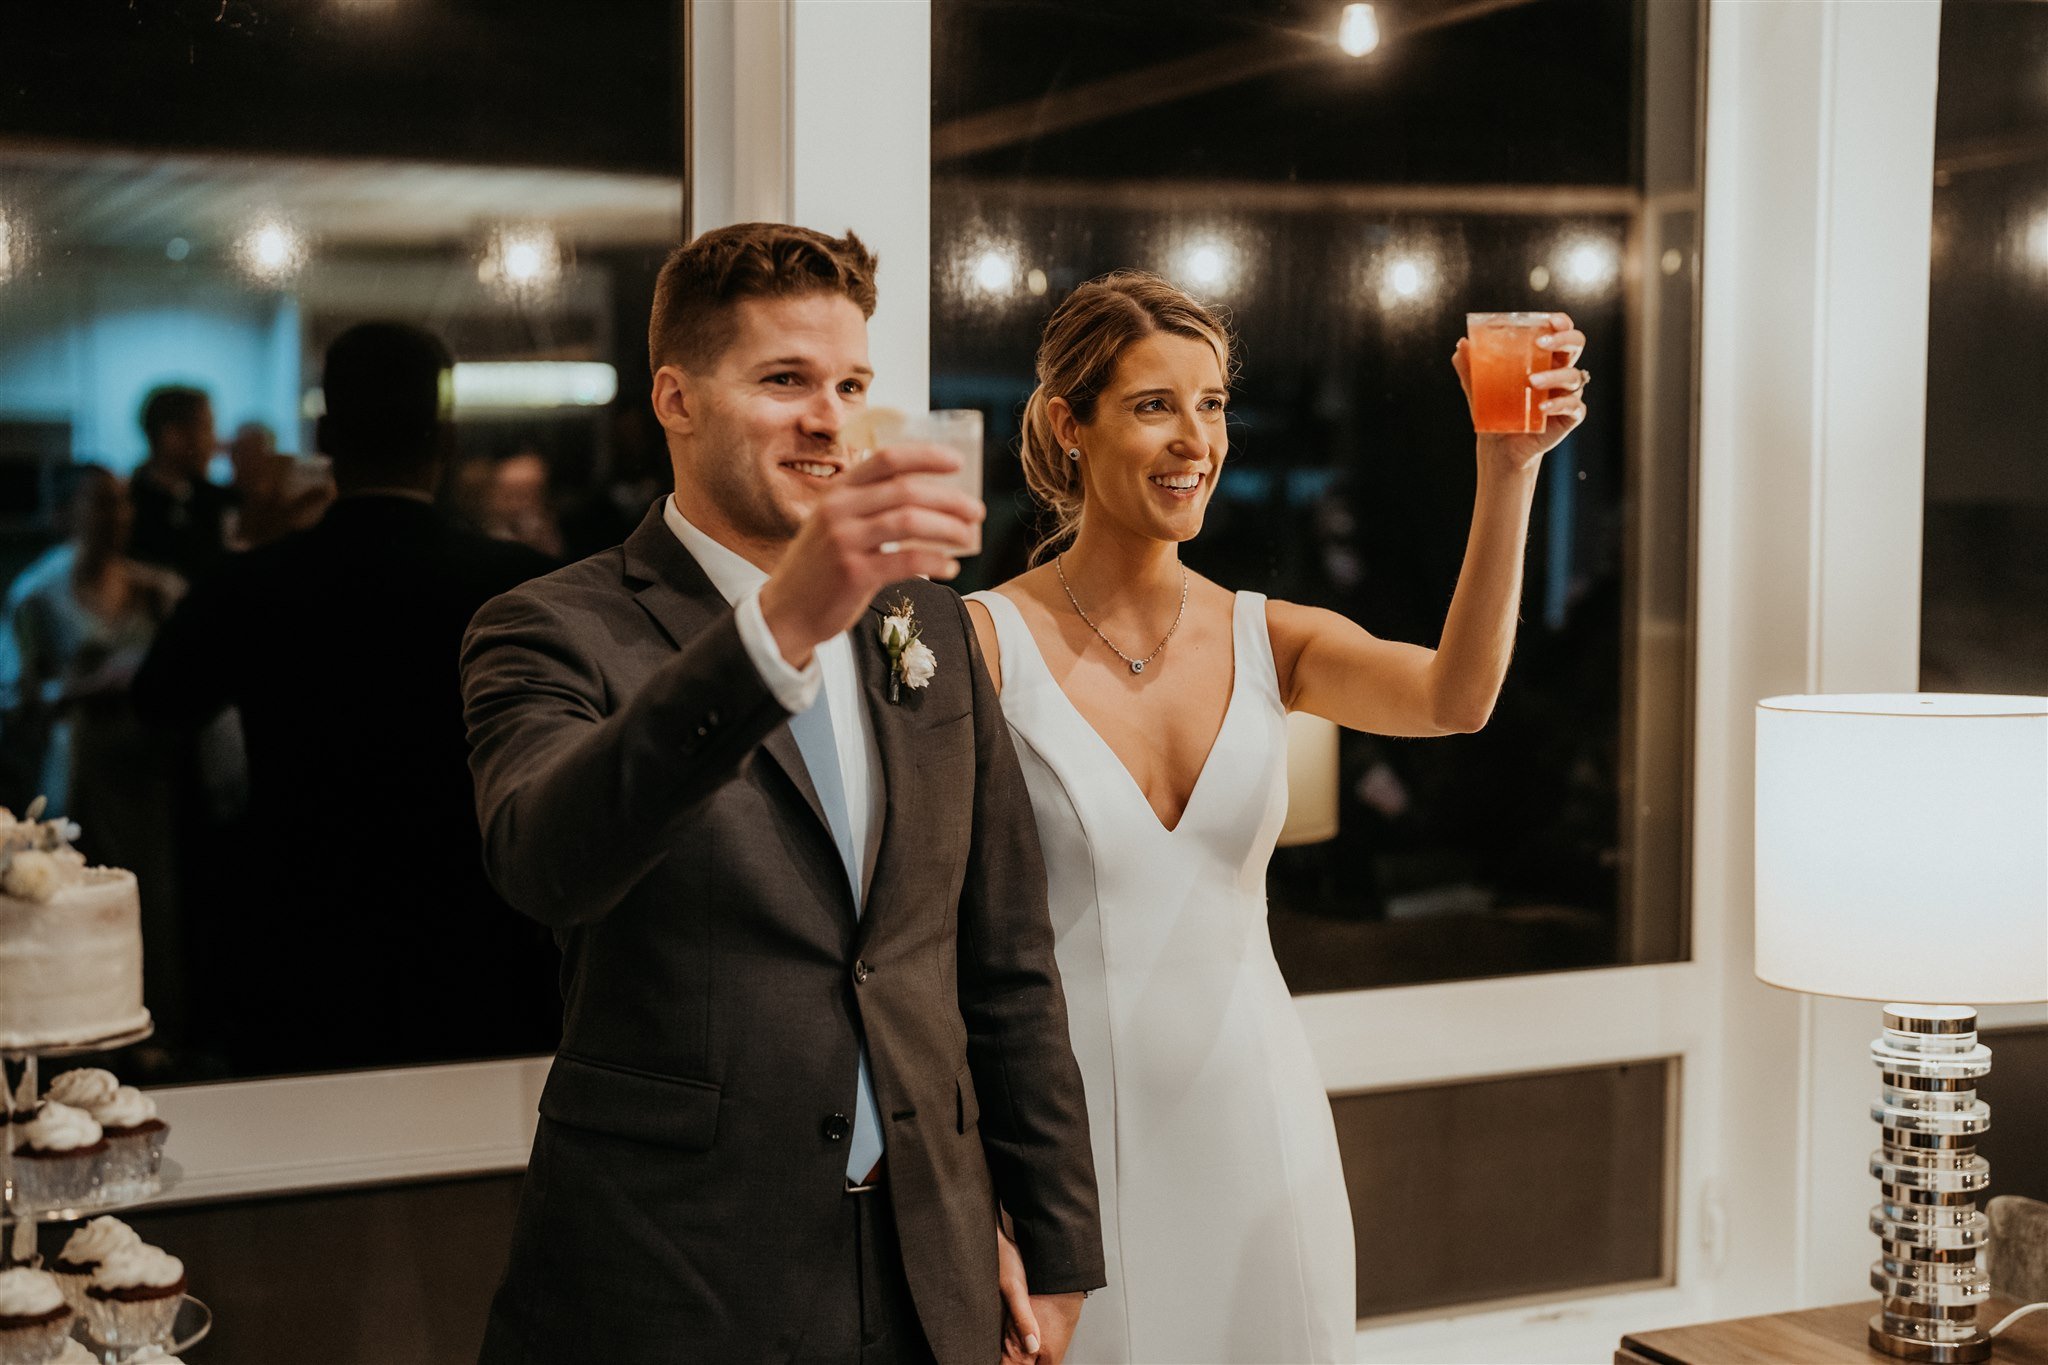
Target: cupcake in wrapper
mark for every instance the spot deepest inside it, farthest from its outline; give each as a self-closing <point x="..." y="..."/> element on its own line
<point x="34" y="1319"/>
<point x="58" y="1157"/>
<point x="135" y="1143"/>
<point x="83" y="1251"/>
<point x="134" y="1297"/>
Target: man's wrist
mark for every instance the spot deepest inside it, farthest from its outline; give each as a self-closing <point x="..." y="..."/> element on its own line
<point x="789" y="642"/>
<point x="796" y="688"/>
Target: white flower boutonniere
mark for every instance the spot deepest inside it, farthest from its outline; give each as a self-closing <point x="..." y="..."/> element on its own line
<point x="911" y="661"/>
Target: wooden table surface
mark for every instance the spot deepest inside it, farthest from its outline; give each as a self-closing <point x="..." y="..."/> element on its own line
<point x="1816" y="1336"/>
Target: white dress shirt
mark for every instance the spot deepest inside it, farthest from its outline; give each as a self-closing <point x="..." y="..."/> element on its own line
<point x="831" y="671"/>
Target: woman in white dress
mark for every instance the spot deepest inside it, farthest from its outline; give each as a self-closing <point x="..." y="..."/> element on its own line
<point x="1149" y="709"/>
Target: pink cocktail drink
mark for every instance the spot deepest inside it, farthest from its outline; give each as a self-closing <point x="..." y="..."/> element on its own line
<point x="1503" y="355"/>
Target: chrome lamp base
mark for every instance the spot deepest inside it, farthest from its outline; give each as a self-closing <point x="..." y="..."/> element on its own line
<point x="1929" y="1178"/>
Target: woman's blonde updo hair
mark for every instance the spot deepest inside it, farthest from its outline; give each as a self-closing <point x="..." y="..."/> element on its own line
<point x="1084" y="339"/>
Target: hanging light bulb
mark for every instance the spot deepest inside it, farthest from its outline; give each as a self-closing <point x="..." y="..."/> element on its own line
<point x="1358" y="30"/>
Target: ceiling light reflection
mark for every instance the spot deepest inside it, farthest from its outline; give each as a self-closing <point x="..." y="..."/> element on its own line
<point x="9" y="248"/>
<point x="1358" y="30"/>
<point x="995" y="272"/>
<point x="521" y="260"/>
<point x="271" y="251"/>
<point x="1588" y="264"/>
<point x="1409" y="277"/>
<point x="1208" y="263"/>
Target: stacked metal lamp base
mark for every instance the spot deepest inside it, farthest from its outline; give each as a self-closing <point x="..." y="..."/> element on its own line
<point x="1930" y="1177"/>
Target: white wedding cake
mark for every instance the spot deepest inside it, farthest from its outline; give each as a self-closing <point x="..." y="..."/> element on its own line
<point x="70" y="940"/>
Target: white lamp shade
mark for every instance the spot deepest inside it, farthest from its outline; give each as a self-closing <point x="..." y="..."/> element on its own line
<point x="1311" y="780"/>
<point x="1902" y="847"/>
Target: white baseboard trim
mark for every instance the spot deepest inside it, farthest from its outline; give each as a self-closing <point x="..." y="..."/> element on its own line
<point x="302" y="1133"/>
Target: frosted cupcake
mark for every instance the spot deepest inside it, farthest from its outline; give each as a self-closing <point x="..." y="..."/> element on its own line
<point x="84" y="1250"/>
<point x="84" y="1087"/>
<point x="34" y="1319"/>
<point x="58" y="1157"/>
<point x="135" y="1143"/>
<point x="134" y="1296"/>
<point x="127" y="1118"/>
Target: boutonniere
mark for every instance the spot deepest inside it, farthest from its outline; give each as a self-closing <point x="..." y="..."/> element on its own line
<point x="911" y="661"/>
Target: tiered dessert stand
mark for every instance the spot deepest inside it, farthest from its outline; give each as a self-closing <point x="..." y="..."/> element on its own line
<point x="18" y="1222"/>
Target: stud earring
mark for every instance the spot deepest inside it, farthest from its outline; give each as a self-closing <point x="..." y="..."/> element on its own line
<point x="1073" y="452"/>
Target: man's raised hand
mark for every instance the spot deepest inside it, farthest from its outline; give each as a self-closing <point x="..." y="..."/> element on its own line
<point x="884" y="520"/>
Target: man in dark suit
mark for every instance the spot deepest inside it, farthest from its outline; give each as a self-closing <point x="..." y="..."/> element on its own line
<point x="180" y="518"/>
<point x="814" y="1033"/>
<point x="350" y="923"/>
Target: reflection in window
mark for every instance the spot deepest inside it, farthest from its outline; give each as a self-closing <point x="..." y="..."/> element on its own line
<point x="1984" y="563"/>
<point x="1348" y="212"/>
<point x="1984" y="579"/>
<point x="195" y="201"/>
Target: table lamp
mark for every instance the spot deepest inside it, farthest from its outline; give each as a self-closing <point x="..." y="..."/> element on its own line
<point x="1902" y="856"/>
<point x="1311" y="780"/>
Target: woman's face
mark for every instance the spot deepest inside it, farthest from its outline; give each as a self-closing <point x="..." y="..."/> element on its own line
<point x="1150" y="456"/>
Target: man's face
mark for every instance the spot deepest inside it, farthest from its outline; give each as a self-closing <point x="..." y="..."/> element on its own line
<point x="755" y="436"/>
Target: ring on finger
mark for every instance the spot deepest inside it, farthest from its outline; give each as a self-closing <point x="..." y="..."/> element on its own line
<point x="888" y="547"/>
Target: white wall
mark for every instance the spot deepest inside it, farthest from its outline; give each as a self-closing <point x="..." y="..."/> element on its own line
<point x="818" y="112"/>
<point x="1819" y="194"/>
<point x="88" y="345"/>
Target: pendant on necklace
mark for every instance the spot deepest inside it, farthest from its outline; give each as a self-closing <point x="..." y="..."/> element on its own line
<point x="1137" y="665"/>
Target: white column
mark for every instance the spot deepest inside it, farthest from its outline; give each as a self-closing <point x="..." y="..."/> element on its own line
<point x="1820" y="132"/>
<point x="818" y="112"/>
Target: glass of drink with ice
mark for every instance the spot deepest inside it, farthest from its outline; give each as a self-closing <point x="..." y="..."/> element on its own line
<point x="1503" y="355"/>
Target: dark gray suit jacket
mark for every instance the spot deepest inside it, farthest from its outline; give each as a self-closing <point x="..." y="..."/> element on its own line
<point x="640" y="792"/>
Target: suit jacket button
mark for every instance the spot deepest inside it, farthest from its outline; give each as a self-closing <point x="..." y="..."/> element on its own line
<point x="837" y="1127"/>
<point x="703" y="730"/>
<point x="860" y="973"/>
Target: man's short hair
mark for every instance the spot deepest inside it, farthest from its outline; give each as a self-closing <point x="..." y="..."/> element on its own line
<point x="171" y="405"/>
<point x="384" y="387"/>
<point x="692" y="322"/>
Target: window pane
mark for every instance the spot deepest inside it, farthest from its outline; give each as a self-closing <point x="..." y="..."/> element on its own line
<point x="207" y="195"/>
<point x="1550" y="1184"/>
<point x="1984" y="564"/>
<point x="1984" y="576"/>
<point x="1349" y="212"/>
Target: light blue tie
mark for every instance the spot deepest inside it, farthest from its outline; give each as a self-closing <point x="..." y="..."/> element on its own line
<point x="812" y="728"/>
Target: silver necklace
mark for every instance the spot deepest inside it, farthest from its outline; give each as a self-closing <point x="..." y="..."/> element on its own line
<point x="1137" y="665"/>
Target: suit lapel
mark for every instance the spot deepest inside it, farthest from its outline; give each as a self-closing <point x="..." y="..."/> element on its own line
<point x="893" y="741"/>
<point x="672" y="587"/>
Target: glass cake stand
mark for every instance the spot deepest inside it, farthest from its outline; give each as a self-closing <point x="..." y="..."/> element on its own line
<point x="18" y="1222"/>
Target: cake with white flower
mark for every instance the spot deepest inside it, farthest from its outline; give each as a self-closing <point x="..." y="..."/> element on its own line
<point x="70" y="939"/>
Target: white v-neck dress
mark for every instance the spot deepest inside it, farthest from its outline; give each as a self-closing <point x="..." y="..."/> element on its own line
<point x="1226" y="1224"/>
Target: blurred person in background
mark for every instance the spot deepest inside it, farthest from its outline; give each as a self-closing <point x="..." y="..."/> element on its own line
<point x="78" y="622"/>
<point x="276" y="493"/>
<point x="518" y="503"/>
<point x="181" y="520"/>
<point x="337" y="646"/>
